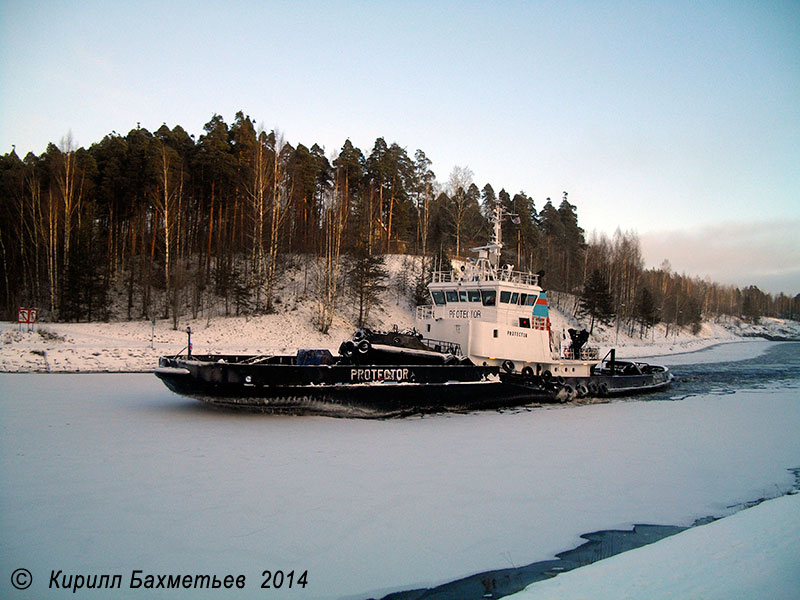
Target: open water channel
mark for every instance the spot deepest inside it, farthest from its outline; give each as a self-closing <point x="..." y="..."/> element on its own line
<point x="111" y="474"/>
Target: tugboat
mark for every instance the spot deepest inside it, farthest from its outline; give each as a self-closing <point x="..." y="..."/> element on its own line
<point x="484" y="342"/>
<point x="501" y="317"/>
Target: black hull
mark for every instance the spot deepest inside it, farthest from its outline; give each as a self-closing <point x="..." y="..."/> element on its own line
<point x="603" y="386"/>
<point x="379" y="401"/>
<point x="350" y="390"/>
<point x="280" y="385"/>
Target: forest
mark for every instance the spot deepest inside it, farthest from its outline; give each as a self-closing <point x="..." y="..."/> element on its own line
<point x="172" y="225"/>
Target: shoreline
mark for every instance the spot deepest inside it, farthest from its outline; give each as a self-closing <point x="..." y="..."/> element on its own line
<point x="135" y="346"/>
<point x="150" y="370"/>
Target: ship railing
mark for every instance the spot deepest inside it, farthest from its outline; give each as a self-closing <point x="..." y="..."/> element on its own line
<point x="424" y="312"/>
<point x="541" y="323"/>
<point x="443" y="346"/>
<point x="504" y="274"/>
<point x="590" y="353"/>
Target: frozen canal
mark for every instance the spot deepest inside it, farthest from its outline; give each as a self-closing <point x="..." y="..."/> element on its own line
<point x="108" y="474"/>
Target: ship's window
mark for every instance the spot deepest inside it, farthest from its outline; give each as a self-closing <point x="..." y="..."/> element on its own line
<point x="530" y="300"/>
<point x="489" y="297"/>
<point x="505" y="297"/>
<point x="514" y="297"/>
<point x="474" y="296"/>
<point x="438" y="298"/>
<point x="429" y="327"/>
<point x="522" y="298"/>
<point x="494" y="333"/>
<point x="452" y="295"/>
<point x="525" y="322"/>
<point x="462" y="296"/>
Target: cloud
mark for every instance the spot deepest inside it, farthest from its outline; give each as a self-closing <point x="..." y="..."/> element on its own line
<point x="764" y="253"/>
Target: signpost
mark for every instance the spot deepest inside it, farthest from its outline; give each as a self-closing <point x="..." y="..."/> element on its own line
<point x="28" y="317"/>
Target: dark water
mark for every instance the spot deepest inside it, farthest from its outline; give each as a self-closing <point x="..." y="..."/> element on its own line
<point x="496" y="584"/>
<point x="779" y="366"/>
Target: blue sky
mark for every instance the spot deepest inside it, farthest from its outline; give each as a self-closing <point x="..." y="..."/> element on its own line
<point x="677" y="120"/>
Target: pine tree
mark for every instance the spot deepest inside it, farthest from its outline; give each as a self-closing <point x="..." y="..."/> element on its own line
<point x="646" y="311"/>
<point x="367" y="274"/>
<point x="596" y="301"/>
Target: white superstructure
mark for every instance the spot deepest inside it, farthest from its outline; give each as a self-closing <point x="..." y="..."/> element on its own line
<point x="498" y="314"/>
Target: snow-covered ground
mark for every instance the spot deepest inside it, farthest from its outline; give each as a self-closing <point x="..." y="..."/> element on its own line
<point x="752" y="554"/>
<point x="134" y="346"/>
<point x="108" y="473"/>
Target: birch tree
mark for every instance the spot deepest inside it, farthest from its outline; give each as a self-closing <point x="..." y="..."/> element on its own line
<point x="334" y="224"/>
<point x="459" y="206"/>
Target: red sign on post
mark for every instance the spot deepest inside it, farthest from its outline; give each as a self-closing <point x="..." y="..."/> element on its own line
<point x="27" y="316"/>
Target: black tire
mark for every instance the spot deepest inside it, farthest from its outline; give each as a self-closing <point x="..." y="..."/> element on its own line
<point x="582" y="390"/>
<point x="364" y="346"/>
<point x="347" y="349"/>
<point x="603" y="389"/>
<point x="527" y="372"/>
<point x="508" y="366"/>
<point x="547" y="375"/>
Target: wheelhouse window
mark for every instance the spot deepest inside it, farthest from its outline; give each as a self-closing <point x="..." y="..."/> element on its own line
<point x="505" y="297"/>
<point x="452" y="295"/>
<point x="438" y="298"/>
<point x="474" y="295"/>
<point x="522" y="298"/>
<point x="530" y="300"/>
<point x="462" y="296"/>
<point x="514" y="297"/>
<point x="525" y="322"/>
<point x="489" y="297"/>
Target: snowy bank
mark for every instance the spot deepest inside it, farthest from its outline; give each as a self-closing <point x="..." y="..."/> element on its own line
<point x="752" y="554"/>
<point x="134" y="346"/>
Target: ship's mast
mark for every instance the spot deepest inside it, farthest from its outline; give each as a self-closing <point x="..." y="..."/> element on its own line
<point x="491" y="251"/>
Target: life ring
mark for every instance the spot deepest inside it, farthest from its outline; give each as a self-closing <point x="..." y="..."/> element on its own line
<point x="364" y="346"/>
<point x="508" y="366"/>
<point x="527" y="372"/>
